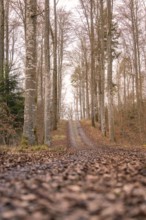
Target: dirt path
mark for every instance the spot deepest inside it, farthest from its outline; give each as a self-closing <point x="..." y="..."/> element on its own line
<point x="87" y="183"/>
<point x="77" y="137"/>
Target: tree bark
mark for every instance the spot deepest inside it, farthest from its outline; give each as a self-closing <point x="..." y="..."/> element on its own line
<point x="30" y="74"/>
<point x="47" y="125"/>
<point x="135" y="64"/>
<point x="92" y="66"/>
<point x="102" y="73"/>
<point x="1" y="40"/>
<point x="7" y="66"/>
<point x="55" y="76"/>
<point x="40" y="96"/>
<point x="109" y="73"/>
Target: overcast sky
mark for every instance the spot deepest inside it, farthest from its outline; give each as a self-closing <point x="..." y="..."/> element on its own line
<point x="69" y="4"/>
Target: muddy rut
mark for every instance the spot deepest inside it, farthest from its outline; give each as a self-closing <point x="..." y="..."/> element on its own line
<point x="88" y="182"/>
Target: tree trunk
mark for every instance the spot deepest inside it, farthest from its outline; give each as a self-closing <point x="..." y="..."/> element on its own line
<point x="1" y="40"/>
<point x="47" y="76"/>
<point x="92" y="66"/>
<point x="102" y="73"/>
<point x="109" y="73"/>
<point x="30" y="77"/>
<point x="60" y="66"/>
<point x="87" y="86"/>
<point x="6" y="56"/>
<point x="135" y="64"/>
<point x="55" y="81"/>
<point x="7" y="42"/>
<point x="40" y="97"/>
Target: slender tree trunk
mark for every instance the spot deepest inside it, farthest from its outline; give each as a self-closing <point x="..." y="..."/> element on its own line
<point x="102" y="73"/>
<point x="47" y="76"/>
<point x="7" y="43"/>
<point x="1" y="40"/>
<point x="141" y="109"/>
<point x="87" y="86"/>
<point x="77" y="109"/>
<point x="92" y="66"/>
<point x="138" y="53"/>
<point x="85" y="79"/>
<point x="136" y="69"/>
<point x="78" y="104"/>
<point x="84" y="101"/>
<point x="80" y="93"/>
<point x="109" y="74"/>
<point x="55" y="76"/>
<point x="6" y="56"/>
<point x="30" y="77"/>
<point x="60" y="66"/>
<point x="125" y="89"/>
<point x="82" y="85"/>
<point x="40" y="98"/>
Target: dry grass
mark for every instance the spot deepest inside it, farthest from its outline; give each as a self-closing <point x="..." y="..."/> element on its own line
<point x="94" y="133"/>
<point x="59" y="137"/>
<point x="129" y="138"/>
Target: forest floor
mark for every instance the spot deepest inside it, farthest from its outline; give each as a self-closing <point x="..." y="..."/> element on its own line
<point x="78" y="178"/>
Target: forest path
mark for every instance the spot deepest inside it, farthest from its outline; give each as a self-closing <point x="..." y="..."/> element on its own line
<point x="85" y="183"/>
<point x="77" y="137"/>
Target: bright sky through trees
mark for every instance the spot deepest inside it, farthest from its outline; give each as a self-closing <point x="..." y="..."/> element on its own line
<point x="68" y="99"/>
<point x="69" y="4"/>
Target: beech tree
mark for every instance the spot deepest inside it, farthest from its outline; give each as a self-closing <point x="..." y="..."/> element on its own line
<point x="92" y="42"/>
<point x="1" y="39"/>
<point x="30" y="74"/>
<point x="47" y="95"/>
<point x="101" y="81"/>
<point x="110" y="72"/>
<point x="55" y="75"/>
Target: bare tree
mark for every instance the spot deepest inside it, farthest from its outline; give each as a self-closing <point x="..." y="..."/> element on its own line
<point x="92" y="42"/>
<point x="1" y="39"/>
<point x="55" y="75"/>
<point x="30" y="77"/>
<point x="47" y="100"/>
<point x="109" y="72"/>
<point x="7" y="41"/>
<point x="101" y="83"/>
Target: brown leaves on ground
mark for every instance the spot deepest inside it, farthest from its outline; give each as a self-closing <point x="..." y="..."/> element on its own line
<point x="94" y="133"/>
<point x="59" y="137"/>
<point x="87" y="183"/>
<point x="128" y="138"/>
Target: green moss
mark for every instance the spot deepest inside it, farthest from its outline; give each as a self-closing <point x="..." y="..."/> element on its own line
<point x="24" y="141"/>
<point x="35" y="148"/>
<point x="39" y="148"/>
<point x="22" y="148"/>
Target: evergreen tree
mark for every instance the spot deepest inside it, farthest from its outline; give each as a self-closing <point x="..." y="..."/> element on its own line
<point x="11" y="109"/>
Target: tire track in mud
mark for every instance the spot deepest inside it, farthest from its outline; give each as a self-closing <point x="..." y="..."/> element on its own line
<point x="77" y="137"/>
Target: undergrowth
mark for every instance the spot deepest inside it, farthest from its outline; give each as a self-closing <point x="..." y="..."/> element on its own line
<point x="58" y="143"/>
